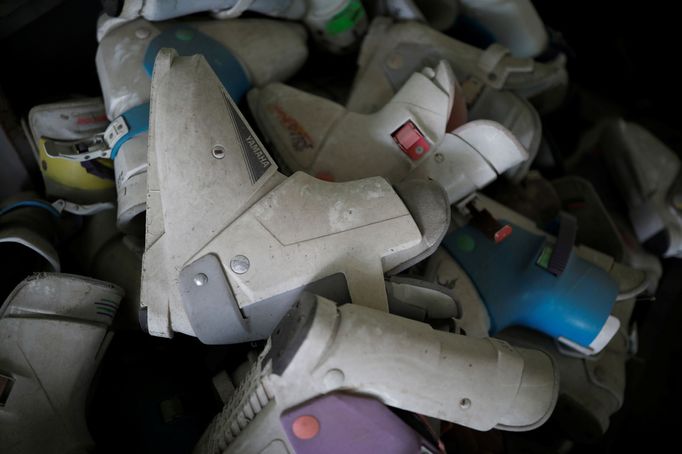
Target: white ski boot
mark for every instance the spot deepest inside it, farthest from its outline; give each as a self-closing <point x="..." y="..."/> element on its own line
<point x="319" y="349"/>
<point x="262" y="237"/>
<point x="549" y="285"/>
<point x="406" y="139"/>
<point x="393" y="51"/>
<point x="54" y="331"/>
<point x="647" y="173"/>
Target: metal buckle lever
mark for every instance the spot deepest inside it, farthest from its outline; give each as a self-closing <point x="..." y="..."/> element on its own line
<point x="95" y="147"/>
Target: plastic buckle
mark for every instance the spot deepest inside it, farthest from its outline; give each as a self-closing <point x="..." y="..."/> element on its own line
<point x="95" y="147"/>
<point x="488" y="225"/>
<point x="411" y="141"/>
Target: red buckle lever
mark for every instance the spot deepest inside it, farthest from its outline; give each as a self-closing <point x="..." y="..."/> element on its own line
<point x="488" y="225"/>
<point x="411" y="140"/>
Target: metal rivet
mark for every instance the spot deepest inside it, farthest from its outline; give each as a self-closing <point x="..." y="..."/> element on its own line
<point x="439" y="158"/>
<point x="142" y="33"/>
<point x="240" y="264"/>
<point x="200" y="279"/>
<point x="394" y="61"/>
<point x="464" y="403"/>
<point x="218" y="152"/>
<point x="419" y="150"/>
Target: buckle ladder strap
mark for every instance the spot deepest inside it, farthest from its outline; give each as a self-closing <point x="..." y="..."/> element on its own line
<point x="568" y="228"/>
<point x="82" y="210"/>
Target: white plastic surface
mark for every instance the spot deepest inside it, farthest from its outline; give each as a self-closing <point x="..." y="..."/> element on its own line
<point x="478" y="383"/>
<point x="330" y="142"/>
<point x="292" y="230"/>
<point x="443" y="270"/>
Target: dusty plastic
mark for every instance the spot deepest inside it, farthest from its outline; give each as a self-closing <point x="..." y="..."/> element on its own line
<point x="55" y="331"/>
<point x="319" y="348"/>
<point x="263" y="238"/>
<point x="248" y="52"/>
<point x="406" y="139"/>
<point x="391" y="52"/>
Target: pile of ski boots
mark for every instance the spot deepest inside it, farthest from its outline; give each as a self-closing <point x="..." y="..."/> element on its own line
<point x="387" y="297"/>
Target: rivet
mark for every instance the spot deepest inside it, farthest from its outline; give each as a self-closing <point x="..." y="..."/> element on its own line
<point x="218" y="152"/>
<point x="240" y="264"/>
<point x="200" y="279"/>
<point x="439" y="157"/>
<point x="464" y="403"/>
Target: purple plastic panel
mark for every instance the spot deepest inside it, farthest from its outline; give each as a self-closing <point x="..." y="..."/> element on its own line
<point x="344" y="423"/>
